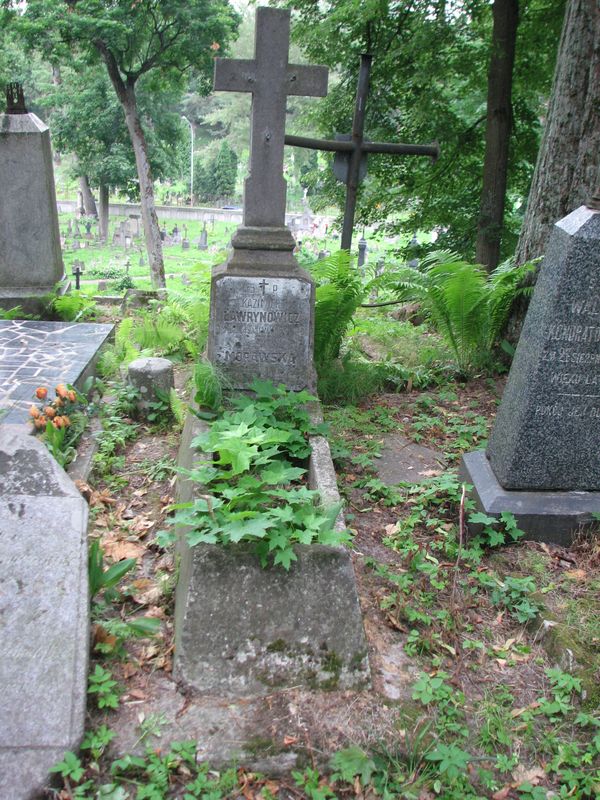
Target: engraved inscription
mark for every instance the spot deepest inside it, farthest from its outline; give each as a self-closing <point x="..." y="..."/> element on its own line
<point x="576" y="382"/>
<point x="261" y="327"/>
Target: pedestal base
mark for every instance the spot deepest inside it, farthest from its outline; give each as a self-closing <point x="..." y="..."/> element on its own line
<point x="544" y="516"/>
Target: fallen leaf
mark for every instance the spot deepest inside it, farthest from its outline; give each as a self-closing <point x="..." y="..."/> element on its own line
<point x="576" y="574"/>
<point x="102" y="636"/>
<point x="523" y="775"/>
<point x="137" y="694"/>
<point x="288" y="740"/>
<point x="118" y="550"/>
<point x="516" y="712"/>
<point x="503" y="793"/>
<point x="129" y="669"/>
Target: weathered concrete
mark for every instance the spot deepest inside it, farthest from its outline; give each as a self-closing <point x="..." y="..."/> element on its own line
<point x="403" y="461"/>
<point x="30" y="254"/>
<point x="147" y="375"/>
<point x="544" y="516"/>
<point x="44" y="611"/>
<point x="241" y="630"/>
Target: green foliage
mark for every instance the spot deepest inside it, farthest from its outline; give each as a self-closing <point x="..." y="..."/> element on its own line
<point x="514" y="594"/>
<point x="338" y="294"/>
<point x="250" y="492"/>
<point x="465" y="305"/>
<point x="495" y="531"/>
<point x="121" y="352"/>
<point x="216" y="179"/>
<point x="101" y="579"/>
<point x="208" y="384"/>
<point x="74" y="307"/>
<point x="58" y="443"/>
<point x="105" y="690"/>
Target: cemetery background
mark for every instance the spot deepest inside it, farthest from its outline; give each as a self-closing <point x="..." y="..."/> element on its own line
<point x="472" y="637"/>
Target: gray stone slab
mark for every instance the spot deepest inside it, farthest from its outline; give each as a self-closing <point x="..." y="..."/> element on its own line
<point x="30" y="252"/>
<point x="242" y="630"/>
<point x="544" y="516"/>
<point x="147" y="375"/>
<point x="403" y="461"/>
<point x="262" y="327"/>
<point x="35" y="353"/>
<point x="547" y="429"/>
<point x="44" y="636"/>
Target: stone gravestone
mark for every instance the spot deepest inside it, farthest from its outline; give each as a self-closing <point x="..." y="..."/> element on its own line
<point x="240" y="629"/>
<point x="30" y="253"/>
<point x="262" y="303"/>
<point x="543" y="458"/>
<point x="44" y="635"/>
<point x="203" y="243"/>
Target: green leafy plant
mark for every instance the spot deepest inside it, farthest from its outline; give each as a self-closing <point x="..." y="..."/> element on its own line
<point x="249" y="487"/>
<point x="101" y="579"/>
<point x="105" y="690"/>
<point x="466" y="306"/>
<point x="73" y="306"/>
<point x="338" y="294"/>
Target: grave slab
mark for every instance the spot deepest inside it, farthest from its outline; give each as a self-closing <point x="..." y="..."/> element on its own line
<point x="44" y="611"/>
<point x="35" y="353"/>
<point x="403" y="461"/>
<point x="241" y="630"/>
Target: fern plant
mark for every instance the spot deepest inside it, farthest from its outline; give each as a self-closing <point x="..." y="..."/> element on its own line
<point x="466" y="306"/>
<point x="338" y="294"/>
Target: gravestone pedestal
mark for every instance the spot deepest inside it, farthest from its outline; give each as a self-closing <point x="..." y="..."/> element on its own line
<point x="543" y="458"/>
<point x="262" y="318"/>
<point x="30" y="254"/>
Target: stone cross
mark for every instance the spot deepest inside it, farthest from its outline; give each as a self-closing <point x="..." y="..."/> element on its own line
<point x="270" y="79"/>
<point x="350" y="164"/>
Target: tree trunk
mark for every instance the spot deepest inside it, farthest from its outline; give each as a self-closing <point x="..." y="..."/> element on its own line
<point x="103" y="207"/>
<point x="126" y="94"/>
<point x="566" y="172"/>
<point x="567" y="168"/>
<point x="57" y="81"/>
<point x="497" y="133"/>
<point x="89" y="204"/>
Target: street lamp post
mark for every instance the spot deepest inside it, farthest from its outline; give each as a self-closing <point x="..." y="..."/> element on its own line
<point x="191" y="159"/>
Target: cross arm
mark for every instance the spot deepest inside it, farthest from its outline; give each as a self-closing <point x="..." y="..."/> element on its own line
<point x="234" y="75"/>
<point x="431" y="150"/>
<point x="310" y="81"/>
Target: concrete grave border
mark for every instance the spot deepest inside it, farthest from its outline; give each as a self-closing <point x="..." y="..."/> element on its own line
<point x="241" y="630"/>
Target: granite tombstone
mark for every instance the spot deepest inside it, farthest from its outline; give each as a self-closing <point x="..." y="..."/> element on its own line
<point x="261" y="314"/>
<point x="543" y="459"/>
<point x="31" y="262"/>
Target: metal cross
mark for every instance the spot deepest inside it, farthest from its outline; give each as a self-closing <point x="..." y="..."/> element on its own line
<point x="77" y="272"/>
<point x="357" y="149"/>
<point x="270" y="79"/>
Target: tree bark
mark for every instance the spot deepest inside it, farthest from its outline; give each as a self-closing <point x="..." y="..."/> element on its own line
<point x="497" y="133"/>
<point x="568" y="163"/>
<point x="103" y="208"/>
<point x="567" y="168"/>
<point x="89" y="204"/>
<point x="126" y="93"/>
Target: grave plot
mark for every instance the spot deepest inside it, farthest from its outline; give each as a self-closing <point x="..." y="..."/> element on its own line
<point x="35" y="353"/>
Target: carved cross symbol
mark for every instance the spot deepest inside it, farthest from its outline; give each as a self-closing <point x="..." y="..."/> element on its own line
<point x="263" y="284"/>
<point x="270" y="79"/>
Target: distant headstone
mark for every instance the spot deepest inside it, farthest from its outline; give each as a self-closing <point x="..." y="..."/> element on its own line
<point x="322" y="255"/>
<point x="185" y="244"/>
<point x="30" y="253"/>
<point x="141" y="261"/>
<point x="185" y="280"/>
<point x="70" y="226"/>
<point x="76" y="230"/>
<point x="163" y="234"/>
<point x="134" y="224"/>
<point x="102" y="286"/>
<point x="543" y="459"/>
<point x="203" y="243"/>
<point x="362" y="251"/>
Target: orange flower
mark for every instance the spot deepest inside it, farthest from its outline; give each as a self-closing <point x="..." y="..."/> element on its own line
<point x="66" y="421"/>
<point x="61" y="390"/>
<point x="34" y="412"/>
<point x="57" y="403"/>
<point x="57" y="422"/>
<point x="40" y="422"/>
<point x="71" y="395"/>
<point x="41" y="393"/>
<point x="50" y="412"/>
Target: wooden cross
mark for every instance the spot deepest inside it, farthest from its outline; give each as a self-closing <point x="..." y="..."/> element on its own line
<point x="270" y="79"/>
<point x="357" y="149"/>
